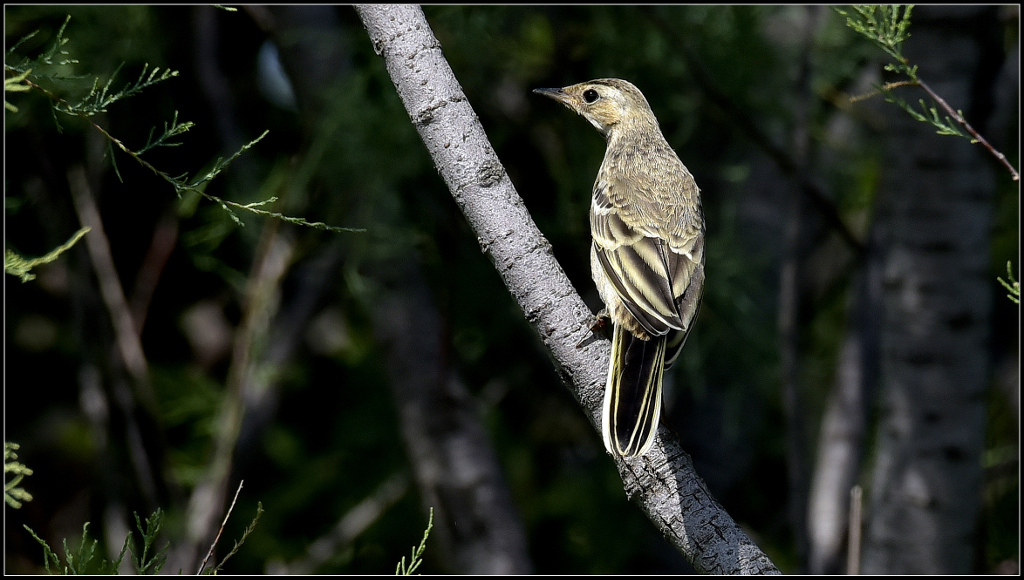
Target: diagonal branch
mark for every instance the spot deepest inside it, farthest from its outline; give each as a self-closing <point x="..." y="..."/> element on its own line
<point x="663" y="483"/>
<point x="974" y="134"/>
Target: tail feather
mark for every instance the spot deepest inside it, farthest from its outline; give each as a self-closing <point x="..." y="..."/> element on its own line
<point x="632" y="398"/>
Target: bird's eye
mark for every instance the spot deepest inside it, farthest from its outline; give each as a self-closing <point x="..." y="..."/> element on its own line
<point x="590" y="95"/>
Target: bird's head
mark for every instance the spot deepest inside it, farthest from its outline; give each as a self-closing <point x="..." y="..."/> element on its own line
<point x="609" y="104"/>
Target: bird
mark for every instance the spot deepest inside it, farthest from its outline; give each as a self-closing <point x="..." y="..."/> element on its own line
<point x="646" y="256"/>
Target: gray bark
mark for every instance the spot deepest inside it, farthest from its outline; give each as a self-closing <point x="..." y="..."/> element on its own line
<point x="663" y="482"/>
<point x="935" y="212"/>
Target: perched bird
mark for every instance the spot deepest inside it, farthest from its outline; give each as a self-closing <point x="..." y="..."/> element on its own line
<point x="647" y="255"/>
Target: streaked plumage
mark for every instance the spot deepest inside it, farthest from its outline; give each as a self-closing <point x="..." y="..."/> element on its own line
<point x="647" y="256"/>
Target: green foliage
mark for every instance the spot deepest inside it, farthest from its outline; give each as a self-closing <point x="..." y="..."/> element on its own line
<point x="102" y="95"/>
<point x="52" y="55"/>
<point x="930" y="115"/>
<point x="149" y="561"/>
<point x="13" y="494"/>
<point x="887" y="26"/>
<point x="77" y="561"/>
<point x="16" y="84"/>
<point x="100" y="98"/>
<point x="16" y="265"/>
<point x="1013" y="285"/>
<point x="417" y="552"/>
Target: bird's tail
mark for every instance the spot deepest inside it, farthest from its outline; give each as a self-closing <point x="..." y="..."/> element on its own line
<point x="632" y="398"/>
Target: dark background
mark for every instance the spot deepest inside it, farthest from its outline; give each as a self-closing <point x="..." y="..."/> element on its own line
<point x="733" y="88"/>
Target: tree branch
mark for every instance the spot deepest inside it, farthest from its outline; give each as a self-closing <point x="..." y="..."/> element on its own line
<point x="663" y="483"/>
<point x="974" y="134"/>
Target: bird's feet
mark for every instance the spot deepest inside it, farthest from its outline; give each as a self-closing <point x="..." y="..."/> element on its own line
<point x="599" y="326"/>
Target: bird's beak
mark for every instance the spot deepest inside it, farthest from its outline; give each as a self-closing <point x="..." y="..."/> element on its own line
<point x="556" y="94"/>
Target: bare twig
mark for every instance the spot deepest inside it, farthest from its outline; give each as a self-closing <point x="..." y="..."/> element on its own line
<point x="885" y="87"/>
<point x="887" y="28"/>
<point x="165" y="237"/>
<point x="221" y="530"/>
<point x="853" y="546"/>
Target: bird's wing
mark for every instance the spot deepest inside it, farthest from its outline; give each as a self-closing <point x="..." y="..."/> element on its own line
<point x="658" y="274"/>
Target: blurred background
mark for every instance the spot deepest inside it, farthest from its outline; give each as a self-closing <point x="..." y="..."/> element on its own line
<point x="853" y="331"/>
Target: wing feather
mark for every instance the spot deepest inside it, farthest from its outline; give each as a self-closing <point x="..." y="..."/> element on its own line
<point x="658" y="276"/>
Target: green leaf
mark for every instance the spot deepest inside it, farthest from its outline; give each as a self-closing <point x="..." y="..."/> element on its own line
<point x="16" y="265"/>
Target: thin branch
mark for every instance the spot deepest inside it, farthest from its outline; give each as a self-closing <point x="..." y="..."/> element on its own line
<point x="855" y="524"/>
<point x="165" y="237"/>
<point x="974" y="134"/>
<point x="221" y="530"/>
<point x="882" y="89"/>
<point x="886" y="27"/>
<point x="179" y="183"/>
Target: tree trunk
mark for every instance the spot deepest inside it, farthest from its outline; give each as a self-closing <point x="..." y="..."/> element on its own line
<point x="935" y="215"/>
